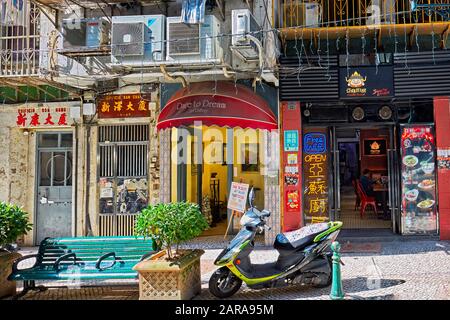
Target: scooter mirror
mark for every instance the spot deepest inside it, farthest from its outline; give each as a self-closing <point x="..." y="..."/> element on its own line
<point x="251" y="197"/>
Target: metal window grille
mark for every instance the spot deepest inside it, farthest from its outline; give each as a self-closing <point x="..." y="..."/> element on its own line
<point x="19" y="39"/>
<point x="122" y="155"/>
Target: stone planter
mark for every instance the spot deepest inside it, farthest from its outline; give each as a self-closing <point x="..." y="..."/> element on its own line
<point x="7" y="288"/>
<point x="170" y="280"/>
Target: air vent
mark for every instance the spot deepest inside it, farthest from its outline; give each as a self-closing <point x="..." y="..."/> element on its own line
<point x="180" y="31"/>
<point x="74" y="36"/>
<point x="128" y="39"/>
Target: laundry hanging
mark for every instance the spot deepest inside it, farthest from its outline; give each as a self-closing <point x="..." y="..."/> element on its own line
<point x="193" y="11"/>
<point x="13" y="12"/>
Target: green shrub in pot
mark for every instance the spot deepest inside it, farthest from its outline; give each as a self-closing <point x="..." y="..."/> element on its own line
<point x="171" y="224"/>
<point x="14" y="222"/>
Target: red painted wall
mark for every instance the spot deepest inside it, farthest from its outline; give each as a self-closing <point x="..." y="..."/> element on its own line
<point x="442" y="120"/>
<point x="291" y="120"/>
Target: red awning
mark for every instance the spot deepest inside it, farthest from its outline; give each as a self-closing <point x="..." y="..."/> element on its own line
<point x="222" y="104"/>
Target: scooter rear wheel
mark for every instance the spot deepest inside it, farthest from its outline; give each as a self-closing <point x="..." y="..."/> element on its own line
<point x="223" y="283"/>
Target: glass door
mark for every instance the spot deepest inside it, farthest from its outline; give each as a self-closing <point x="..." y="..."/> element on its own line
<point x="394" y="180"/>
<point x="335" y="176"/>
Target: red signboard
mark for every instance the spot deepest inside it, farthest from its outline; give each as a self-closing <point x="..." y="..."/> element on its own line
<point x="49" y="115"/>
<point x="122" y="106"/>
<point x="291" y="165"/>
<point x="226" y="105"/>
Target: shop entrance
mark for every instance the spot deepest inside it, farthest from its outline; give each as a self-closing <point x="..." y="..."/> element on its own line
<point x="227" y="155"/>
<point x="364" y="179"/>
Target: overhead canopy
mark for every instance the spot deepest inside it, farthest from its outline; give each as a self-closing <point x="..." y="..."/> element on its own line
<point x="217" y="103"/>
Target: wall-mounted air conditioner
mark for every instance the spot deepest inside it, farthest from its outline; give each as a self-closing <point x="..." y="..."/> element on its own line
<point x="194" y="43"/>
<point x="304" y="14"/>
<point x="85" y="33"/>
<point x="137" y="40"/>
<point x="243" y="23"/>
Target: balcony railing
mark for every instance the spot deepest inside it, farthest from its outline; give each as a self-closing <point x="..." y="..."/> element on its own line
<point x="353" y="13"/>
<point x="19" y="43"/>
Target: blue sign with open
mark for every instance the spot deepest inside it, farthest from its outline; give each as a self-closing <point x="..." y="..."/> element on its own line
<point x="314" y="143"/>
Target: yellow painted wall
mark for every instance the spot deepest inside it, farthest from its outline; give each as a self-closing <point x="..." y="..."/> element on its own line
<point x="218" y="135"/>
<point x="256" y="179"/>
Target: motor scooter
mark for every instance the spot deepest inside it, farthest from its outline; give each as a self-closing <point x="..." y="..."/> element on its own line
<point x="303" y="256"/>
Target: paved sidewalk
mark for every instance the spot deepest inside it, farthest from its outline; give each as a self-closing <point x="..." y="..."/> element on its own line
<point x="387" y="270"/>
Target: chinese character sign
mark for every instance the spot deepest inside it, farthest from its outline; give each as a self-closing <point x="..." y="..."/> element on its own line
<point x="315" y="171"/>
<point x="50" y="115"/>
<point x="122" y="106"/>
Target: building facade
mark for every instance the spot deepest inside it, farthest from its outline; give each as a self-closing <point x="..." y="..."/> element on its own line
<point x="362" y="88"/>
<point x="83" y="86"/>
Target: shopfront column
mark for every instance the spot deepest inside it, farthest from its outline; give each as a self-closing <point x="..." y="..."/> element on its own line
<point x="442" y="120"/>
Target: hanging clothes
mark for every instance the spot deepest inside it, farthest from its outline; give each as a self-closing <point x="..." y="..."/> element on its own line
<point x="193" y="11"/>
<point x="13" y="12"/>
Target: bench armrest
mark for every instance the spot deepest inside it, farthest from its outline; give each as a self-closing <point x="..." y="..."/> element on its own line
<point x="103" y="257"/>
<point x="15" y="265"/>
<point x="64" y="257"/>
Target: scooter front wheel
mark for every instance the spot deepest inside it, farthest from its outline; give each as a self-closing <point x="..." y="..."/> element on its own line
<point x="223" y="283"/>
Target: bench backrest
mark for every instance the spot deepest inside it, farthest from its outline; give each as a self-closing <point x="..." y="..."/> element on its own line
<point x="90" y="249"/>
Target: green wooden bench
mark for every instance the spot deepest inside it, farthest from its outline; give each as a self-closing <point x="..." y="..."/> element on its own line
<point x="82" y="258"/>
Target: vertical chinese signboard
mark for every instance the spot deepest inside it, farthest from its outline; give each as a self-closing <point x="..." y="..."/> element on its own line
<point x="122" y="106"/>
<point x="291" y="155"/>
<point x="315" y="174"/>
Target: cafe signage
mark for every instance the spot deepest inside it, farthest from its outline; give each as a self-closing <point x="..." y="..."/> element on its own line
<point x="315" y="172"/>
<point x="122" y="106"/>
<point x="366" y="82"/>
<point x="44" y="115"/>
<point x="238" y="197"/>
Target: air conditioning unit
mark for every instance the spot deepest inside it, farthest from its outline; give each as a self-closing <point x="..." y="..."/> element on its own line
<point x="242" y="23"/>
<point x="245" y="50"/>
<point x="137" y="40"/>
<point x="194" y="43"/>
<point x="304" y="14"/>
<point x="85" y="33"/>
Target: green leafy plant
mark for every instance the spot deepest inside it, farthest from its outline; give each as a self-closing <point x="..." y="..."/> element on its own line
<point x="169" y="224"/>
<point x="14" y="222"/>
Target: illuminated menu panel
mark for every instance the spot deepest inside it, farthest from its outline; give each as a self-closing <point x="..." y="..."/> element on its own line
<point x="418" y="180"/>
<point x="315" y="172"/>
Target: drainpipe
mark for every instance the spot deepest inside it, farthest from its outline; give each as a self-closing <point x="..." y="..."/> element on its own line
<point x="261" y="58"/>
<point x="173" y="78"/>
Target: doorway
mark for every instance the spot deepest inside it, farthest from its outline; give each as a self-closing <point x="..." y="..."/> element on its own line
<point x="54" y="185"/>
<point x="227" y="155"/>
<point x="364" y="176"/>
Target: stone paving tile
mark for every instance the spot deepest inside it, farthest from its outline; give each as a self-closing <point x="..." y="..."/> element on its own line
<point x="401" y="270"/>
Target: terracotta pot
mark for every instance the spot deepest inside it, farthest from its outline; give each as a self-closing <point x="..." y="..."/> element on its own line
<point x="160" y="279"/>
<point x="7" y="288"/>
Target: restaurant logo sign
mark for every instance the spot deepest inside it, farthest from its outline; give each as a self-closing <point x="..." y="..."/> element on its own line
<point x="122" y="106"/>
<point x="44" y="116"/>
<point x="366" y="82"/>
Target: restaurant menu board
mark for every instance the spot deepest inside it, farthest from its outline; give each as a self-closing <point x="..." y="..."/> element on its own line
<point x="418" y="180"/>
<point x="315" y="173"/>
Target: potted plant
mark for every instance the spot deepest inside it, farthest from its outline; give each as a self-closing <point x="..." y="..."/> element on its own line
<point x="13" y="224"/>
<point x="171" y="273"/>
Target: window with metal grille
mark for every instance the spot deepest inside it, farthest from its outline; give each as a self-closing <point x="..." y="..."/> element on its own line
<point x="122" y="167"/>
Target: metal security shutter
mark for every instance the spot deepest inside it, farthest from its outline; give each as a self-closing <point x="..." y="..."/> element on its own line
<point x="418" y="74"/>
<point x="309" y="79"/>
<point x="123" y="155"/>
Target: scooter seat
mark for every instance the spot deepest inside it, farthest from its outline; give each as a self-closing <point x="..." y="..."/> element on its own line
<point x="301" y="238"/>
